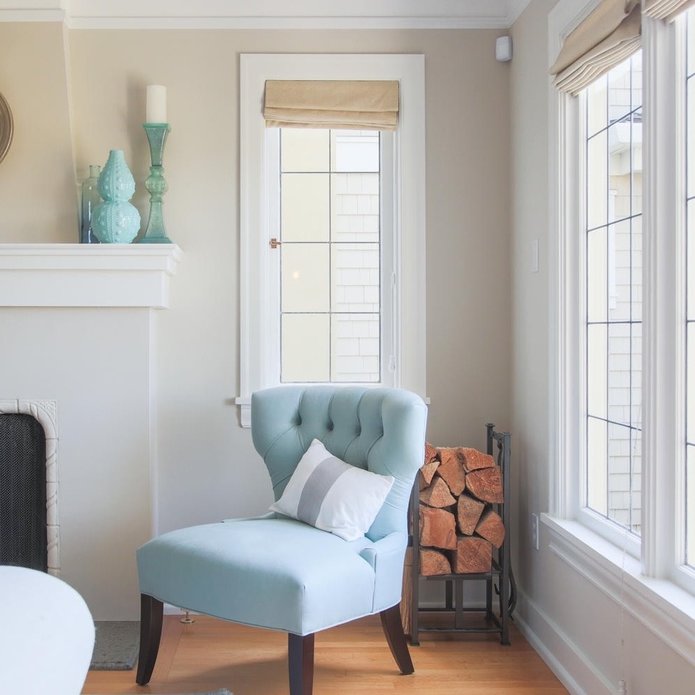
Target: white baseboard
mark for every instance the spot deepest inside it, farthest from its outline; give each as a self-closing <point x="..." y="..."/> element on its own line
<point x="563" y="656"/>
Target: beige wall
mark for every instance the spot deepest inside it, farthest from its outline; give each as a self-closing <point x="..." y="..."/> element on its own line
<point x="467" y="114"/>
<point x="38" y="200"/>
<point x="529" y="297"/>
<point x="207" y="467"/>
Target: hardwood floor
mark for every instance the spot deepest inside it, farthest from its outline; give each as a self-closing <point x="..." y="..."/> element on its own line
<point x="351" y="659"/>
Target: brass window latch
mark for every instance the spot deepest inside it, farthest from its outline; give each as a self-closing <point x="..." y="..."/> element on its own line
<point x="274" y="243"/>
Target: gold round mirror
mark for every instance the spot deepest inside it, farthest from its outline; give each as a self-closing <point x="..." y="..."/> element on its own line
<point x="6" y="127"/>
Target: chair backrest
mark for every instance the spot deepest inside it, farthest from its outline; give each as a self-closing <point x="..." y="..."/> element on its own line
<point x="381" y="430"/>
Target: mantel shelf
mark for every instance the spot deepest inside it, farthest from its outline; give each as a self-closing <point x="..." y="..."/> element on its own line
<point x="87" y="275"/>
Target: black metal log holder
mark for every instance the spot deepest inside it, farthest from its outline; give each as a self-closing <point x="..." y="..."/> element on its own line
<point x="499" y="579"/>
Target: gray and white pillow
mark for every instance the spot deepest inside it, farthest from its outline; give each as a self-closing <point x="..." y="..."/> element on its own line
<point x="333" y="495"/>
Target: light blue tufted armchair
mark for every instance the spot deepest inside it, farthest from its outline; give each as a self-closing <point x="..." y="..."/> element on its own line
<point x="282" y="574"/>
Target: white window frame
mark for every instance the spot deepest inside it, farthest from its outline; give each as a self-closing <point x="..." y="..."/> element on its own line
<point x="258" y="337"/>
<point x="652" y="568"/>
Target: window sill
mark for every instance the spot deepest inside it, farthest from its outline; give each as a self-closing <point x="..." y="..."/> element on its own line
<point x="660" y="605"/>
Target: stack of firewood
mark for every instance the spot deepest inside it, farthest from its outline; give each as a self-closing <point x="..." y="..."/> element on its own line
<point x="458" y="525"/>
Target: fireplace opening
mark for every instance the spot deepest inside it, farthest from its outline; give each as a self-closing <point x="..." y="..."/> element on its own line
<point x="23" y="518"/>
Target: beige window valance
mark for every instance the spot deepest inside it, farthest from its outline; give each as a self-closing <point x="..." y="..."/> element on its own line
<point x="608" y="36"/>
<point x="666" y="9"/>
<point x="348" y="104"/>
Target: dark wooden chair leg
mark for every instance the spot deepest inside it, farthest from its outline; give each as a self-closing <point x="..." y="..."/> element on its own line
<point x="393" y="629"/>
<point x="151" y="612"/>
<point x="301" y="660"/>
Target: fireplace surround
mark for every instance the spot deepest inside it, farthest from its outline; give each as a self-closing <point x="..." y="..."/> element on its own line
<point x="79" y="353"/>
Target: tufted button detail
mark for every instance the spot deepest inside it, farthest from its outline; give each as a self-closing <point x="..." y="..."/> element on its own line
<point x="298" y="420"/>
<point x="358" y="431"/>
<point x="330" y="426"/>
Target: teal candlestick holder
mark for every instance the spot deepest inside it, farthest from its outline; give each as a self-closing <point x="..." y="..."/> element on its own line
<point x="156" y="184"/>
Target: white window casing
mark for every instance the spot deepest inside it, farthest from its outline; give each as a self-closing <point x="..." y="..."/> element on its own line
<point x="403" y="318"/>
<point x="656" y="571"/>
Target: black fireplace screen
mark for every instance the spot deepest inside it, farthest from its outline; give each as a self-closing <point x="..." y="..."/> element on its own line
<point x="22" y="492"/>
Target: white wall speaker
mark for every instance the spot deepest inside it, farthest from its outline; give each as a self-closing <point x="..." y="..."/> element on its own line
<point x="503" y="49"/>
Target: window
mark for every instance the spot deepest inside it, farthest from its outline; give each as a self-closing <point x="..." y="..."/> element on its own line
<point x="331" y="267"/>
<point x="312" y="308"/>
<point x="612" y="113"/>
<point x="625" y="304"/>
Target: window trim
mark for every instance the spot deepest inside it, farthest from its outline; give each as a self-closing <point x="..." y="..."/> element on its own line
<point x="662" y="201"/>
<point x="659" y="554"/>
<point x="408" y="209"/>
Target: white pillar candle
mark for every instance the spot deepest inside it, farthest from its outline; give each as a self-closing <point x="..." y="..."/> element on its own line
<point x="156" y="104"/>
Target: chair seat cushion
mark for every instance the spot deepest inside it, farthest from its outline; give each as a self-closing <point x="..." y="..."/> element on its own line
<point x="275" y="573"/>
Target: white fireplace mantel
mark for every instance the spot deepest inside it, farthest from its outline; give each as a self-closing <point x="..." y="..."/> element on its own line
<point x="87" y="275"/>
<point x="79" y="333"/>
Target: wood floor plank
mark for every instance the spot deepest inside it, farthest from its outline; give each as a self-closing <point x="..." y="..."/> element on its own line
<point x="351" y="659"/>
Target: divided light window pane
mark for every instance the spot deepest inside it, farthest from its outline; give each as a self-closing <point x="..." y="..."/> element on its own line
<point x="613" y="330"/>
<point x="330" y="184"/>
<point x="689" y="156"/>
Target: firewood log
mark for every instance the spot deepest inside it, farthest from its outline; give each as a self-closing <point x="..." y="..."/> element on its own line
<point x="437" y="528"/>
<point x="451" y="470"/>
<point x="446" y="453"/>
<point x="491" y="527"/>
<point x="486" y="484"/>
<point x="427" y="472"/>
<point x="472" y="555"/>
<point x="433" y="562"/>
<point x="468" y="511"/>
<point x="474" y="459"/>
<point x="437" y="494"/>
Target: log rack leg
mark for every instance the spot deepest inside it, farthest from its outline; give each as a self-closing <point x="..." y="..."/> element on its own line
<point x="458" y="604"/>
<point x="488" y="599"/>
<point x="393" y="629"/>
<point x="151" y="612"/>
<point x="301" y="662"/>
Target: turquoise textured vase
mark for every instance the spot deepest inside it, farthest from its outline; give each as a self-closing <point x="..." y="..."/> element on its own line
<point x="116" y="221"/>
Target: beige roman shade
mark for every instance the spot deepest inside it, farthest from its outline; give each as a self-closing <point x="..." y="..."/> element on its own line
<point x="666" y="9"/>
<point x="348" y="104"/>
<point x="609" y="35"/>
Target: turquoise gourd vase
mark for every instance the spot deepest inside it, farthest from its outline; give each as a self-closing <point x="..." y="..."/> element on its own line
<point x="116" y="221"/>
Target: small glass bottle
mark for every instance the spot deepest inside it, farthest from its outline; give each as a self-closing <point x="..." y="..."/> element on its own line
<point x="90" y="199"/>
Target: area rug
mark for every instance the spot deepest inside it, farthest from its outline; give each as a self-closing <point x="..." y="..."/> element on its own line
<point x="224" y="691"/>
<point x="116" y="645"/>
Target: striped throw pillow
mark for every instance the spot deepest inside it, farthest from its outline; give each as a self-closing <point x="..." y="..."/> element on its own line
<point x="333" y="495"/>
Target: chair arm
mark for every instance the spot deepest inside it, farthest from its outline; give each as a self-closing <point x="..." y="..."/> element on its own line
<point x="386" y="559"/>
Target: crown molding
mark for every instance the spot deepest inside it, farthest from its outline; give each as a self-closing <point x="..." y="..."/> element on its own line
<point x="514" y="10"/>
<point x="267" y="14"/>
<point x="32" y="10"/>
